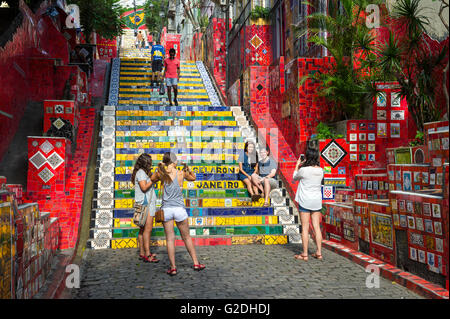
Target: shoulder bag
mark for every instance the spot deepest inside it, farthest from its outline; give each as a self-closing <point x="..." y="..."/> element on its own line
<point x="159" y="214"/>
<point x="140" y="213"/>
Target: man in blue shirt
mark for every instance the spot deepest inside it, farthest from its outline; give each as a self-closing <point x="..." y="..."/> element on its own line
<point x="158" y="53"/>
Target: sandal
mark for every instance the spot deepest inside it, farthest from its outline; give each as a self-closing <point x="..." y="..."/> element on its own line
<point x="172" y="271"/>
<point x="317" y="256"/>
<point x="150" y="259"/>
<point x="199" y="267"/>
<point x="301" y="257"/>
<point x="266" y="205"/>
<point x="141" y="257"/>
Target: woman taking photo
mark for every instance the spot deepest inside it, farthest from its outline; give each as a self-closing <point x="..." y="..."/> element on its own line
<point x="309" y="199"/>
<point x="174" y="208"/>
<point x="144" y="194"/>
<point x="248" y="165"/>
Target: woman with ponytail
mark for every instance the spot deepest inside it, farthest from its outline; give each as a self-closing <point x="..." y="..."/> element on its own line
<point x="144" y="194"/>
<point x="174" y="208"/>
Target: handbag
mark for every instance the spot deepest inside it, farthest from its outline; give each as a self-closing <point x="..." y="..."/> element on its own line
<point x="162" y="88"/>
<point x="140" y="213"/>
<point x="159" y="214"/>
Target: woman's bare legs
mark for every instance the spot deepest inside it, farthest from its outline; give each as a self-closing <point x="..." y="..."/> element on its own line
<point x="141" y="242"/>
<point x="184" y="231"/>
<point x="315" y="217"/>
<point x="147" y="233"/>
<point x="256" y="181"/>
<point x="249" y="185"/>
<point x="304" y="217"/>
<point x="170" y="242"/>
<point x="266" y="190"/>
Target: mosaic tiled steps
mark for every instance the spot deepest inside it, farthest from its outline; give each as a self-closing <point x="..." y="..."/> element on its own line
<point x="154" y="127"/>
<point x="137" y="75"/>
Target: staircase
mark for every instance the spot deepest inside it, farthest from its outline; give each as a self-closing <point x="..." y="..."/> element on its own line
<point x="203" y="134"/>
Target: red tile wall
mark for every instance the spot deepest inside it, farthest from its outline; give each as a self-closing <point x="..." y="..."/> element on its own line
<point x="27" y="68"/>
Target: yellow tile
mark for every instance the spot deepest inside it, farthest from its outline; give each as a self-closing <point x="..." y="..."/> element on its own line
<point x="124" y="243"/>
<point x="275" y="239"/>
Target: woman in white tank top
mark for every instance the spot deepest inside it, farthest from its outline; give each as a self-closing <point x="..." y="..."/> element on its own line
<point x="309" y="199"/>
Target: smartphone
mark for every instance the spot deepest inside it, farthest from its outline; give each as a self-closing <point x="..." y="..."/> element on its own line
<point x="302" y="157"/>
<point x="184" y="166"/>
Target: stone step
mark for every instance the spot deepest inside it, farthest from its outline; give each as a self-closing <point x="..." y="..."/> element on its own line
<point x="204" y="193"/>
<point x="141" y="102"/>
<point x="193" y="185"/>
<point x="197" y="241"/>
<point x="199" y="221"/>
<point x="174" y="139"/>
<point x="217" y="110"/>
<point x="128" y="203"/>
<point x="199" y="177"/>
<point x="130" y="232"/>
<point x="205" y="212"/>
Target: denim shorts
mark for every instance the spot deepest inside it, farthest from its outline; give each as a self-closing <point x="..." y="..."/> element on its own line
<point x="171" y="81"/>
<point x="306" y="210"/>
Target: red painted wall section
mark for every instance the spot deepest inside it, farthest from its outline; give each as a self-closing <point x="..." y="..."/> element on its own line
<point x="297" y="111"/>
<point x="27" y="66"/>
<point x="258" y="49"/>
<point x="169" y="41"/>
<point x="215" y="52"/>
<point x="107" y="49"/>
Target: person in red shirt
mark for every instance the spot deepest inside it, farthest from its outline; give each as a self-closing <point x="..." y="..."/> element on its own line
<point x="172" y="73"/>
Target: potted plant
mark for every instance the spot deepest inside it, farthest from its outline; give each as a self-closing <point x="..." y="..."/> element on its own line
<point x="349" y="86"/>
<point x="408" y="58"/>
<point x="260" y="15"/>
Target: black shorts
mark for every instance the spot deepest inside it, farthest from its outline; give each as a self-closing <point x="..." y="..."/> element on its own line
<point x="157" y="65"/>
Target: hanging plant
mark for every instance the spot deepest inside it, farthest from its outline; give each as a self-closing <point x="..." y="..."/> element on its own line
<point x="260" y="13"/>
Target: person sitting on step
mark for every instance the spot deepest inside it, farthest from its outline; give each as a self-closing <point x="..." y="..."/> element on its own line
<point x="172" y="74"/>
<point x="144" y="194"/>
<point x="248" y="164"/>
<point x="174" y="208"/>
<point x="265" y="181"/>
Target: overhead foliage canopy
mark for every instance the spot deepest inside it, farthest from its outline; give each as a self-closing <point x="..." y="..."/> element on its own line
<point x="101" y="16"/>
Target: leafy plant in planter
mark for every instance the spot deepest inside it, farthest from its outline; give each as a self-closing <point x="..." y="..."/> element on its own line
<point x="260" y="13"/>
<point x="324" y="132"/>
<point x="349" y="86"/>
<point x="407" y="57"/>
<point x="418" y="140"/>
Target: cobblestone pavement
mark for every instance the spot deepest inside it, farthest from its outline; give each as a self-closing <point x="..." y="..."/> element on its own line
<point x="247" y="271"/>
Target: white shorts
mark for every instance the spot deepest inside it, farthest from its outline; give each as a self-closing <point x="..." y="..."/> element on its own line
<point x="177" y="213"/>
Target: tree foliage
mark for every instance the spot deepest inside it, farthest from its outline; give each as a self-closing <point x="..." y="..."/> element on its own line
<point x="349" y="85"/>
<point x="407" y="57"/>
<point x="101" y="16"/>
<point x="154" y="22"/>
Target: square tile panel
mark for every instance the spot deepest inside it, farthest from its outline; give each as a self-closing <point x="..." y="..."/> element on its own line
<point x="55" y="160"/>
<point x="46" y="175"/>
<point x="38" y="160"/>
<point x="46" y="147"/>
<point x="333" y="153"/>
